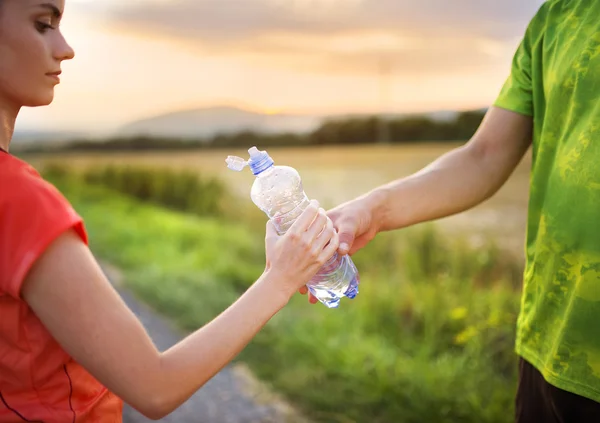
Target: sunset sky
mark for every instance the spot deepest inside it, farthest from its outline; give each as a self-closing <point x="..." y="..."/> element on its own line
<point x="138" y="58"/>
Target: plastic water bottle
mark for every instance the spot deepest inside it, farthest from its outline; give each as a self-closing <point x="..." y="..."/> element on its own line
<point x="279" y="193"/>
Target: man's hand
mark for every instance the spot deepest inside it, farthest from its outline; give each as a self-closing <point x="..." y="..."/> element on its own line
<point x="355" y="222"/>
<point x="457" y="181"/>
<point x="311" y="298"/>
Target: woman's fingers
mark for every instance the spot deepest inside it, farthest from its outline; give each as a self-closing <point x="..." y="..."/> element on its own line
<point x="304" y="221"/>
<point x="317" y="226"/>
<point x="308" y="244"/>
<point x="271" y="233"/>
<point x="330" y="249"/>
<point x="325" y="236"/>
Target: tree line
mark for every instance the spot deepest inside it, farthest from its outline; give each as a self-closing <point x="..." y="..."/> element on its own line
<point x="342" y="131"/>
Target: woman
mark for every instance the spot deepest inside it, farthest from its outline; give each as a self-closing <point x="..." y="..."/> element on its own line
<point x="70" y="350"/>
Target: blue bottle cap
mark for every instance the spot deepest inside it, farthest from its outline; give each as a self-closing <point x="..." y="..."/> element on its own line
<point x="259" y="161"/>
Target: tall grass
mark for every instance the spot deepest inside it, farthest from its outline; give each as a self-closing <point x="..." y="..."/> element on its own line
<point x="428" y="339"/>
<point x="182" y="190"/>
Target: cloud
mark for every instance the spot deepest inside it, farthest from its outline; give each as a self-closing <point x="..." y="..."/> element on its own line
<point x="339" y="35"/>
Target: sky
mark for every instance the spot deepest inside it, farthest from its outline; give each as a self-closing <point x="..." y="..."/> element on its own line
<point x="140" y="58"/>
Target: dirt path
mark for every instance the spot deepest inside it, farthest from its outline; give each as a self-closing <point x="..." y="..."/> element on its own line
<point x="232" y="396"/>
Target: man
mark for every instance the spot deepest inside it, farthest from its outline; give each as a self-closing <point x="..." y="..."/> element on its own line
<point x="549" y="102"/>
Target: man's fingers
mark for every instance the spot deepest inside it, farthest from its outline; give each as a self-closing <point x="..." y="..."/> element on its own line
<point x="346" y="231"/>
<point x="311" y="298"/>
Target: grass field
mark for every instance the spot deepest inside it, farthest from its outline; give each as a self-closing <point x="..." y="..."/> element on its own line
<point x="428" y="339"/>
<point x="337" y="174"/>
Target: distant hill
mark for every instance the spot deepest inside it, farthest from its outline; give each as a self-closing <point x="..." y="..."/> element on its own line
<point x="25" y="138"/>
<point x="205" y="122"/>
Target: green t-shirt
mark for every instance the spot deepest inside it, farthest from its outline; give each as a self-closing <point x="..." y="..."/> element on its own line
<point x="555" y="78"/>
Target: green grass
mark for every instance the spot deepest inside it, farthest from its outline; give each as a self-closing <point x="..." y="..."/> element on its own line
<point x="428" y="339"/>
<point x="179" y="189"/>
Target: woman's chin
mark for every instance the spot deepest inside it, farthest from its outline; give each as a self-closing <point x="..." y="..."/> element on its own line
<point x="40" y="100"/>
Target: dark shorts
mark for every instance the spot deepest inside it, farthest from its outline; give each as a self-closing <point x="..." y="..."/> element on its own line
<point x="539" y="402"/>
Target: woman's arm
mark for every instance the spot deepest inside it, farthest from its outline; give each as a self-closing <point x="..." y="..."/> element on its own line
<point x="70" y="294"/>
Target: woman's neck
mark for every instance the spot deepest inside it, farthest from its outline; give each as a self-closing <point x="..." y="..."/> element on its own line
<point x="8" y="118"/>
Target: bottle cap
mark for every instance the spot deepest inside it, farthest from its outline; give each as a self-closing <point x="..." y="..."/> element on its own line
<point x="259" y="161"/>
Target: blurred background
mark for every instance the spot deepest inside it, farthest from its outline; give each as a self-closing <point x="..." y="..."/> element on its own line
<point x="353" y="94"/>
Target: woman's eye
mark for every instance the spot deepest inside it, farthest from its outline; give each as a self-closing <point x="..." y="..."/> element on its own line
<point x="43" y="26"/>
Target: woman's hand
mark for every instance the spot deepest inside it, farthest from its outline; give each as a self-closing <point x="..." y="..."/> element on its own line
<point x="294" y="258"/>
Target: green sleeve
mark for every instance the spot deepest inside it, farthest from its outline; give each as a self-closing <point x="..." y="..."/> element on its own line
<point x="517" y="92"/>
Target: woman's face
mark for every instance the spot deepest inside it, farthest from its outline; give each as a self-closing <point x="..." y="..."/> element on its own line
<point x="32" y="49"/>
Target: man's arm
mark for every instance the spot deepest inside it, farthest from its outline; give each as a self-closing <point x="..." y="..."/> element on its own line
<point x="455" y="182"/>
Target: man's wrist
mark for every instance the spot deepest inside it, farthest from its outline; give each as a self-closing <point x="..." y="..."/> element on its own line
<point x="377" y="202"/>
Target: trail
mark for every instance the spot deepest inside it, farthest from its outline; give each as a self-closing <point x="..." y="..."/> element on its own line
<point x="233" y="396"/>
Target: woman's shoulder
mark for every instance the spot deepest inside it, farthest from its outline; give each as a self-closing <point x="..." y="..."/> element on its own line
<point x="20" y="180"/>
<point x="32" y="214"/>
<point x="26" y="197"/>
<point x="14" y="169"/>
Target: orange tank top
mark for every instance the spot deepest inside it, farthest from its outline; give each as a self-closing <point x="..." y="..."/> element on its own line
<point x="39" y="381"/>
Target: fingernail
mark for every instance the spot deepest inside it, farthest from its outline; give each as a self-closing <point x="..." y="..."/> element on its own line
<point x="344" y="247"/>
